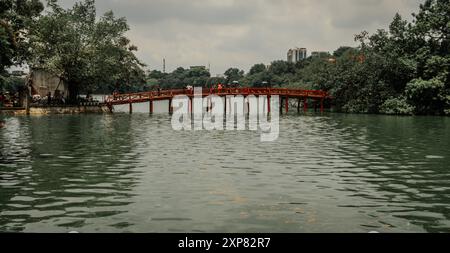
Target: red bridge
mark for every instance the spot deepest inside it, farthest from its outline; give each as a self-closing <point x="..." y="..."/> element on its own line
<point x="303" y="96"/>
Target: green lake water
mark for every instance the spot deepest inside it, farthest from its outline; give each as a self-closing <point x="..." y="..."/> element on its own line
<point x="133" y="173"/>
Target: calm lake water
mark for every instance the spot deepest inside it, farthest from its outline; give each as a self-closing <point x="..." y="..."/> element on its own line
<point x="133" y="173"/>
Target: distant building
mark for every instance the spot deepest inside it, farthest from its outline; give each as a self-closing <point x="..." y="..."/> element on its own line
<point x="43" y="82"/>
<point x="197" y="68"/>
<point x="320" y="54"/>
<point x="296" y="54"/>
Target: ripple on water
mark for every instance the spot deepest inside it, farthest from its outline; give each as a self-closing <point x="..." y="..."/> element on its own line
<point x="117" y="173"/>
<point x="434" y="157"/>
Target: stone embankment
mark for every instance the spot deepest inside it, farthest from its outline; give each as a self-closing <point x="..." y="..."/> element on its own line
<point x="48" y="110"/>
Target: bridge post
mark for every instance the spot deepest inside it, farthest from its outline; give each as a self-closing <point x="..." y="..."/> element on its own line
<point x="287" y="104"/>
<point x="209" y="105"/>
<point x="226" y="103"/>
<point x="315" y="105"/>
<point x="268" y="104"/>
<point x="321" y="105"/>
<point x="281" y="105"/>
<point x="170" y="106"/>
<point x="305" y="104"/>
<point x="130" y="104"/>
<point x="190" y="104"/>
<point x="298" y="105"/>
<point x="151" y="106"/>
<point x="248" y="105"/>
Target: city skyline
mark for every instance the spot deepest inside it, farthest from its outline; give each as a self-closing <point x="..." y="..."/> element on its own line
<point x="230" y="33"/>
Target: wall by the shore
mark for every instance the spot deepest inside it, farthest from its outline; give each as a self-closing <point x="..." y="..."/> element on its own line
<point x="58" y="110"/>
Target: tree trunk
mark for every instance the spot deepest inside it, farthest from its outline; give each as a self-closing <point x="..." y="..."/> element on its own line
<point x="73" y="92"/>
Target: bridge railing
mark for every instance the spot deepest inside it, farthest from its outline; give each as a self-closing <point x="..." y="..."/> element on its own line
<point x="149" y="95"/>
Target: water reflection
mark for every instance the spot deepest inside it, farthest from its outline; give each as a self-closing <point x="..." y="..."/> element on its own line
<point x="64" y="172"/>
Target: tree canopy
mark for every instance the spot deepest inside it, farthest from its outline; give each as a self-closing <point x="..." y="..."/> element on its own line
<point x="402" y="70"/>
<point x="15" y="19"/>
<point x="233" y="74"/>
<point x="16" y="16"/>
<point x="88" y="53"/>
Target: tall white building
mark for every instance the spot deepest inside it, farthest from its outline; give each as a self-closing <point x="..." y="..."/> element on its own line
<point x="296" y="54"/>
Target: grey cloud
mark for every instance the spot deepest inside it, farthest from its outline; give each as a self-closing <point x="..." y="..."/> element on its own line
<point x="194" y="11"/>
<point x="242" y="32"/>
<point x="366" y="14"/>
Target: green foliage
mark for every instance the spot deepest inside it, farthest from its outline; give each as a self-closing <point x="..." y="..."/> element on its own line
<point x="400" y="71"/>
<point x="397" y="106"/>
<point x="15" y="19"/>
<point x="278" y="73"/>
<point x="259" y="79"/>
<point x="344" y="50"/>
<point x="6" y="48"/>
<point x="155" y="74"/>
<point x="89" y="54"/>
<point x="179" y="78"/>
<point x="427" y="95"/>
<point x="233" y="74"/>
<point x="281" y="68"/>
<point x="11" y="84"/>
<point x="257" y="68"/>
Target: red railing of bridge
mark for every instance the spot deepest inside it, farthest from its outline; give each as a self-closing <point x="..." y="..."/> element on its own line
<point x="118" y="99"/>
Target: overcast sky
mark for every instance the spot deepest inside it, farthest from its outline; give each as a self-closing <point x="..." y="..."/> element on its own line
<point x="240" y="33"/>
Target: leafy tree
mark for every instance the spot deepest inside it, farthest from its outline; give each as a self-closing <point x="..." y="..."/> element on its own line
<point x="430" y="90"/>
<point x="233" y="74"/>
<point x="15" y="19"/>
<point x="282" y="68"/>
<point x="397" y="106"/>
<point x="11" y="84"/>
<point x="257" y="68"/>
<point x="87" y="53"/>
<point x="181" y="77"/>
<point x="402" y="70"/>
<point x="198" y="77"/>
<point x="155" y="74"/>
<point x="259" y="79"/>
<point x="428" y="96"/>
<point x="342" y="50"/>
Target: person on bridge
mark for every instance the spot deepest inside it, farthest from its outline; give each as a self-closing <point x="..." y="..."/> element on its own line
<point x="219" y="88"/>
<point x="189" y="89"/>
